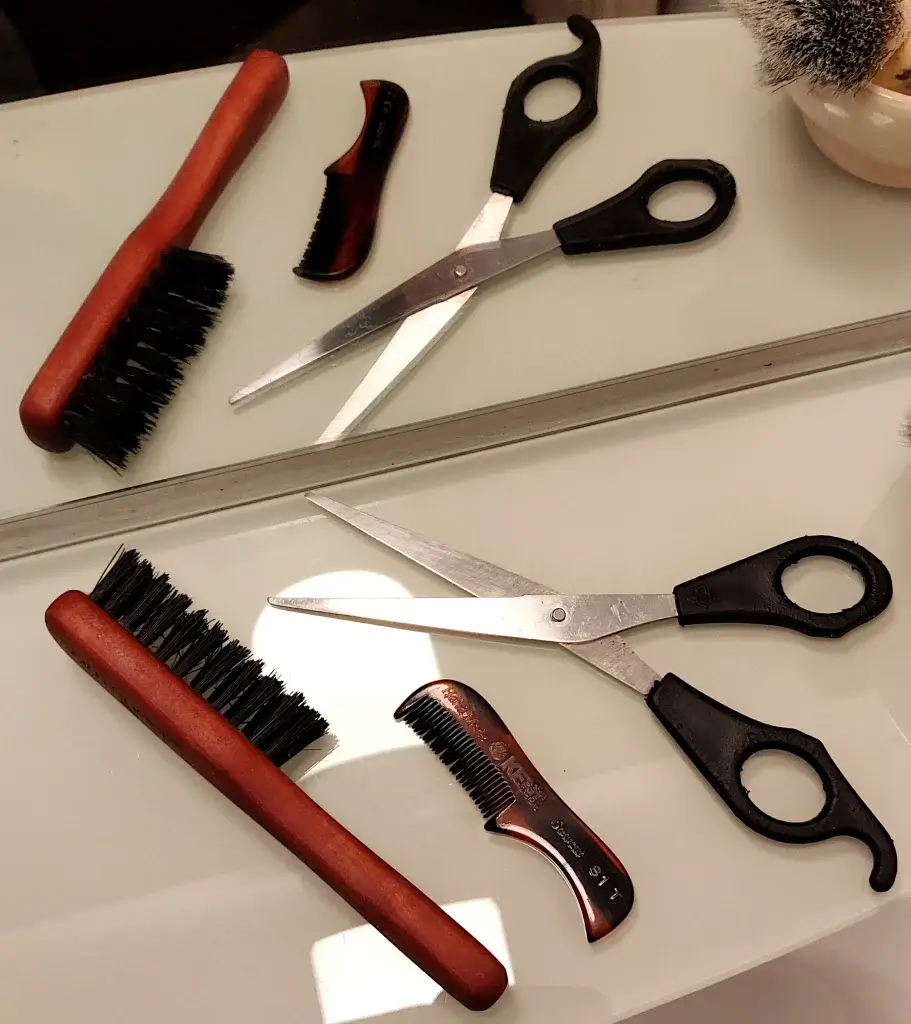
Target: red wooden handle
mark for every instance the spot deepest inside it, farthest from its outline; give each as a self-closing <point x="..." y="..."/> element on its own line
<point x="207" y="741"/>
<point x="233" y="129"/>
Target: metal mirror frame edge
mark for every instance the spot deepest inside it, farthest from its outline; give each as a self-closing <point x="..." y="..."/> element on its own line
<point x="428" y="441"/>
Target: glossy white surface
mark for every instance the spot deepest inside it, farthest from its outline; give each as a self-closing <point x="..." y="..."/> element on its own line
<point x="868" y="134"/>
<point x="132" y="891"/>
<point x="858" y="975"/>
<point x="808" y="245"/>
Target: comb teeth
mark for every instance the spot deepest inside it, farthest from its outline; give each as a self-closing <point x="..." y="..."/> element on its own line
<point x="200" y="652"/>
<point x="329" y="229"/>
<point x="142" y="363"/>
<point x="473" y="769"/>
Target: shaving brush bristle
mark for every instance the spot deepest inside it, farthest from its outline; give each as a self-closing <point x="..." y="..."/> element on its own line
<point x="840" y="45"/>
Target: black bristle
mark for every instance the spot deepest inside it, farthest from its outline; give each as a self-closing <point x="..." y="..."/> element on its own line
<point x="141" y="365"/>
<point x="473" y="769"/>
<point x="328" y="231"/>
<point x="201" y="653"/>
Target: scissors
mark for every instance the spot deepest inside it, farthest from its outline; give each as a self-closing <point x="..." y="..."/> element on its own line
<point x="429" y="302"/>
<point x="717" y="739"/>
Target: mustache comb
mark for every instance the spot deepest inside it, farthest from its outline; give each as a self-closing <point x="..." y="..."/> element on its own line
<point x="471" y="739"/>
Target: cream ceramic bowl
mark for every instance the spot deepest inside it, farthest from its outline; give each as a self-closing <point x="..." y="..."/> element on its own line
<point x="868" y="135"/>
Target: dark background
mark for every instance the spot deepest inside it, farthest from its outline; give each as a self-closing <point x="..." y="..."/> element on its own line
<point x="55" y="45"/>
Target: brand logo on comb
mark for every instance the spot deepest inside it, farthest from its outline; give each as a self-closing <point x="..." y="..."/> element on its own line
<point x="466" y="712"/>
<point x="532" y="793"/>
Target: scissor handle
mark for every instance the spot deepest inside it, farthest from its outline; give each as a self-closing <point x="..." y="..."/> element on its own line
<point x="750" y="590"/>
<point x="625" y="222"/>
<point x="524" y="145"/>
<point x="719" y="741"/>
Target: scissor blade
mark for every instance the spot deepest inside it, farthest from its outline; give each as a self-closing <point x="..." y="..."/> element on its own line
<point x="418" y="292"/>
<point x="548" y="618"/>
<point x="610" y="655"/>
<point x="419" y="333"/>
<point x="483" y="579"/>
<point x="427" y="288"/>
<point x="514" y="618"/>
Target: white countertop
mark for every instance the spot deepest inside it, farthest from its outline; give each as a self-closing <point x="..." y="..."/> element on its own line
<point x="157" y="864"/>
<point x="156" y="869"/>
<point x="859" y="976"/>
<point x="807" y="247"/>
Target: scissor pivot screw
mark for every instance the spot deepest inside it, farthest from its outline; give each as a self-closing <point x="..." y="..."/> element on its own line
<point x="558" y="614"/>
<point x="461" y="270"/>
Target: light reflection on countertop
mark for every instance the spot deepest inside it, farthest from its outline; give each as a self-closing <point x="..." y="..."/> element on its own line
<point x="360" y="974"/>
<point x="354" y="674"/>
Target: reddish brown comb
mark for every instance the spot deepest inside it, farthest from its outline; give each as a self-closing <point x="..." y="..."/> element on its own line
<point x="345" y="227"/>
<point x="471" y="739"/>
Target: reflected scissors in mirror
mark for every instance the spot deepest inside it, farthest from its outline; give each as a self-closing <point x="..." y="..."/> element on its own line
<point x="717" y="739"/>
<point x="429" y="302"/>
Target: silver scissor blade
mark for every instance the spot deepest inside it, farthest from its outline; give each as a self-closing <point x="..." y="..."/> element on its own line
<point x="419" y="333"/>
<point x="411" y="342"/>
<point x="487" y="260"/>
<point x="448" y="276"/>
<point x="420" y="291"/>
<point x="548" y="618"/>
<point x="478" y="264"/>
<point x="483" y="579"/>
<point x="610" y="655"/>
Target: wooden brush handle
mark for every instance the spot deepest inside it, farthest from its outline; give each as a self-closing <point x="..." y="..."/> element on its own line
<point x="233" y="129"/>
<point x="207" y="741"/>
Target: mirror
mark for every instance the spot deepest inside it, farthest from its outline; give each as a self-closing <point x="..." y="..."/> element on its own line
<point x="82" y="169"/>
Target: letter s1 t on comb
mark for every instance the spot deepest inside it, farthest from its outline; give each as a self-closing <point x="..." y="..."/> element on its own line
<point x="471" y="739"/>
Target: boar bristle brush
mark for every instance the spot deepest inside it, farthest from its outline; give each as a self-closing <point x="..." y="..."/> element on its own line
<point x="123" y="355"/>
<point x="211" y="701"/>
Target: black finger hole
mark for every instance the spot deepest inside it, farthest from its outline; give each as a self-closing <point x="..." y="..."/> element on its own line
<point x="549" y="101"/>
<point x="823" y="584"/>
<point x="783" y="785"/>
<point x="681" y="201"/>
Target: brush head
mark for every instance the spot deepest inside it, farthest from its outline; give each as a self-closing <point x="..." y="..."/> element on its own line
<point x="834" y="44"/>
<point x="200" y="652"/>
<point x="141" y="365"/>
<point x="473" y="769"/>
